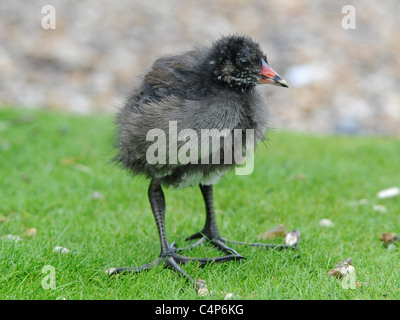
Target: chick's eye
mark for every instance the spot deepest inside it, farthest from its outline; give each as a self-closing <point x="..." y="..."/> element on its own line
<point x="243" y="61"/>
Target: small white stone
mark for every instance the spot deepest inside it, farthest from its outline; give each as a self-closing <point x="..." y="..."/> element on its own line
<point x="350" y="269"/>
<point x="379" y="208"/>
<point x="292" y="237"/>
<point x="388" y="193"/>
<point x="97" y="196"/>
<point x="342" y="271"/>
<point x="12" y="237"/>
<point x="61" y="250"/>
<point x="229" y="296"/>
<point x="201" y="288"/>
<point x="391" y="247"/>
<point x="203" y="292"/>
<point x="326" y="223"/>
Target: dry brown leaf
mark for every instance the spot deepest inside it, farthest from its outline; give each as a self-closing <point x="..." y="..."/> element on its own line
<point x="387" y="237"/>
<point x="298" y="176"/>
<point x="342" y="269"/>
<point x="278" y="231"/>
<point x="30" y="232"/>
<point x="341" y="272"/>
<point x="68" y="161"/>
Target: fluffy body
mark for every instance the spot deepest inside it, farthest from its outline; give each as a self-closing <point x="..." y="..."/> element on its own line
<point x="206" y="88"/>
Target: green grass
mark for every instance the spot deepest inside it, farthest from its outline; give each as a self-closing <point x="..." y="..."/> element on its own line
<point x="51" y="163"/>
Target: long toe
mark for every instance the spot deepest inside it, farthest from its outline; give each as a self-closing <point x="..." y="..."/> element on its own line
<point x="220" y="245"/>
<point x="194" y="245"/>
<point x="172" y="260"/>
<point x="181" y="259"/>
<point x="195" y="236"/>
<point x="217" y="243"/>
<point x="115" y="271"/>
<point x="267" y="246"/>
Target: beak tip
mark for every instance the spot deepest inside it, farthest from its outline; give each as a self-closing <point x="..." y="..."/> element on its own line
<point x="280" y="82"/>
<point x="269" y="76"/>
<point x="283" y="83"/>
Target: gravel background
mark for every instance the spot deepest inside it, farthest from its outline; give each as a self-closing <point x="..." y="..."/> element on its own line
<point x="341" y="81"/>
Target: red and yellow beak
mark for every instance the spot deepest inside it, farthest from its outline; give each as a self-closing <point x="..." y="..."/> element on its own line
<point x="269" y="76"/>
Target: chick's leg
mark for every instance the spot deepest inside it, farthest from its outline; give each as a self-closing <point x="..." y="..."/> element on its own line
<point x="210" y="232"/>
<point x="169" y="256"/>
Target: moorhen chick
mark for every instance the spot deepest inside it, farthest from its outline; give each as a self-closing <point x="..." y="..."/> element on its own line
<point x="209" y="88"/>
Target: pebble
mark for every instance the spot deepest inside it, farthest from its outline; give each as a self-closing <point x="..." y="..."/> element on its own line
<point x="341" y="272"/>
<point x="326" y="223"/>
<point x="228" y="296"/>
<point x="292" y="238"/>
<point x="202" y="289"/>
<point x="342" y="269"/>
<point x="12" y="237"/>
<point x="379" y="208"/>
<point x="59" y="249"/>
<point x="389" y="193"/>
<point x="96" y="195"/>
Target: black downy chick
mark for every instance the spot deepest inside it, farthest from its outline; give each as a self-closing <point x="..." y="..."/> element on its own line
<point x="203" y="89"/>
